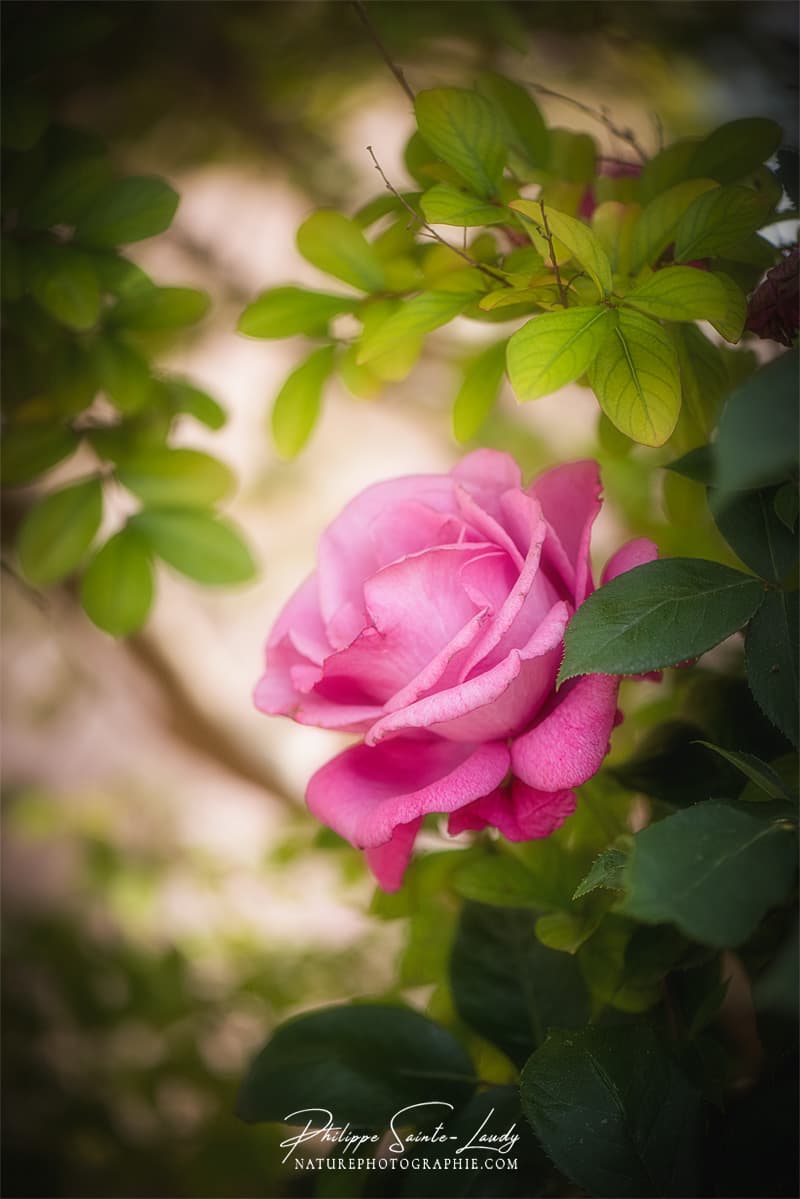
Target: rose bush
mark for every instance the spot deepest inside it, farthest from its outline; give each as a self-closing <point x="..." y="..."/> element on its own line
<point x="434" y="627"/>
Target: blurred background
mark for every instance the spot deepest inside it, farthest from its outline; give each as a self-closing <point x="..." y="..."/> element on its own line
<point x="166" y="898"/>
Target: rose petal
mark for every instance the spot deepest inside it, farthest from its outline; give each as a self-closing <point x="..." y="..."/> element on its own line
<point x="365" y="792"/>
<point x="485" y="526"/>
<point x="570" y="496"/>
<point x="567" y="747"/>
<point x="488" y="471"/>
<point x="520" y="814"/>
<point x="632" y="553"/>
<point x="388" y="862"/>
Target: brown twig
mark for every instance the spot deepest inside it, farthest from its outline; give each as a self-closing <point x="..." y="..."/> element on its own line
<point x="597" y="114"/>
<point x="549" y="239"/>
<point x="360" y="8"/>
<point x="481" y="266"/>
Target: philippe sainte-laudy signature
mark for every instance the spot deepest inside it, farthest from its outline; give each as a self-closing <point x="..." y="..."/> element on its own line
<point x="320" y="1127"/>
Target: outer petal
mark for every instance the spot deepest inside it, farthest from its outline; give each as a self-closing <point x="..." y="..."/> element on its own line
<point x="388" y="862"/>
<point x="521" y="814"/>
<point x="365" y="793"/>
<point x="633" y="553"/>
<point x="570" y="496"/>
<point x="487" y="471"/>
<point x="567" y="747"/>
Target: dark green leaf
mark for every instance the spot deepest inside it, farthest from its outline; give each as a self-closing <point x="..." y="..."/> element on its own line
<point x="606" y="872"/>
<point x="759" y="429"/>
<point x="66" y="193"/>
<point x="119" y="275"/>
<point x="655" y="229"/>
<point x="787" y="505"/>
<point x="57" y="532"/>
<point x="29" y="450"/>
<point x="697" y="465"/>
<point x="716" y="222"/>
<point x="167" y="477"/>
<point x="704" y="378"/>
<point x="771" y="653"/>
<point x="123" y="374"/>
<point x="297" y="404"/>
<point x="507" y="985"/>
<point x="25" y="118"/>
<point x="161" y="308"/>
<point x="498" y="881"/>
<point x="750" y="525"/>
<point x="336" y="245"/>
<point x="730" y="324"/>
<point x="65" y="283"/>
<point x="636" y="381"/>
<point x="669" y="764"/>
<point x="656" y="615"/>
<point x="117" y="588"/>
<point x="362" y="1062"/>
<point x="522" y="123"/>
<point x="735" y="149"/>
<point x="712" y="869"/>
<point x="667" y="168"/>
<point x="478" y="391"/>
<point x="556" y="348"/>
<point x="463" y="129"/>
<point x="765" y="778"/>
<point x="614" y="1112"/>
<point x="286" y="311"/>
<point x="198" y="544"/>
<point x="573" y="156"/>
<point x="789" y="174"/>
<point x="128" y="210"/>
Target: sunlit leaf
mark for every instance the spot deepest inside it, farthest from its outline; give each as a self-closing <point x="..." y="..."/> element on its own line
<point x="635" y="378"/>
<point x="658" y="223"/>
<point x="445" y="205"/>
<point x="716" y="222"/>
<point x="336" y="245"/>
<point x="524" y="129"/>
<point x="478" y="391"/>
<point x="286" y="311"/>
<point x="167" y="477"/>
<point x="556" y="348"/>
<point x="117" y="587"/>
<point x="462" y="128"/>
<point x="581" y="241"/>
<point x="198" y="544"/>
<point x="56" y="533"/>
<point x="297" y="404"/>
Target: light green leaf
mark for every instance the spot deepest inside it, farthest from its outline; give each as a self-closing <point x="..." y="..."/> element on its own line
<point x="169" y="477"/>
<point x="161" y="308"/>
<point x="566" y="931"/>
<point x="128" y="210"/>
<point x="119" y="275"/>
<point x="65" y="283"/>
<point x="463" y="129"/>
<point x="713" y="870"/>
<point x="336" y="245"/>
<point x="195" y="402"/>
<point x="735" y="149"/>
<point x="556" y="348"/>
<point x="287" y="311"/>
<point x="414" y="318"/>
<point x="297" y="404"/>
<point x="499" y="881"/>
<point x="635" y="378"/>
<point x="656" y="615"/>
<point x="198" y="544"/>
<point x="478" y="391"/>
<point x="731" y="324"/>
<point x="545" y="297"/>
<point x="681" y="293"/>
<point x="716" y="222"/>
<point x="57" y="532"/>
<point x="117" y="588"/>
<point x="658" y="223"/>
<point x="522" y="123"/>
<point x="445" y="205"/>
<point x="123" y="374"/>
<point x="583" y="244"/>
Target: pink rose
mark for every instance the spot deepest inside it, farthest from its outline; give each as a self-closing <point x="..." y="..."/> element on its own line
<point x="434" y="627"/>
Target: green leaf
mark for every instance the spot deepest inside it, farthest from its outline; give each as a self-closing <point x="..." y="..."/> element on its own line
<point x="712" y="869"/>
<point x="614" y="1112"/>
<point x="65" y="193"/>
<point x="583" y="244"/>
<point x="787" y="505"/>
<point x="716" y="222"/>
<point x="507" y="985"/>
<point x="656" y="227"/>
<point x="680" y="293"/>
<point x="556" y="348"/>
<point x="566" y="932"/>
<point x="771" y="653"/>
<point x="635" y="378"/>
<point x="463" y="129"/>
<point x="523" y="127"/>
<point x="362" y="1062"/>
<point x="704" y="380"/>
<point x="336" y="245"/>
<point x="161" y="308"/>
<point x="56" y="533"/>
<point x="478" y="391"/>
<point x="445" y="205"/>
<point x="287" y="311"/>
<point x="659" y="614"/>
<point x="128" y="210"/>
<point x="413" y="319"/>
<point x="195" y="402"/>
<point x="735" y="149"/>
<point x="669" y="764"/>
<point x="748" y="522"/>
<point x="124" y="375"/>
<point x="297" y="404"/>
<point x="64" y="282"/>
<point x="498" y="881"/>
<point x="731" y="323"/>
<point x="573" y="156"/>
<point x="759" y="428"/>
<point x="667" y="168"/>
<point x="117" y="588"/>
<point x="198" y="544"/>
<point x="765" y="778"/>
<point x="164" y="477"/>
<point x="119" y="275"/>
<point x="28" y="450"/>
<point x="606" y="872"/>
<point x="697" y="465"/>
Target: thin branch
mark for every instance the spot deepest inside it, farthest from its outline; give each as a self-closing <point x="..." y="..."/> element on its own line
<point x="360" y="8"/>
<point x="549" y="239"/>
<point x="481" y="266"/>
<point x="597" y="114"/>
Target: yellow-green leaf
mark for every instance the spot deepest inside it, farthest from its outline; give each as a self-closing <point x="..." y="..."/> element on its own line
<point x="117" y="588"/>
<point x="523" y="127"/>
<point x="681" y="293"/>
<point x="58" y="531"/>
<point x="636" y="381"/>
<point x="510" y="297"/>
<point x="556" y="348"/>
<point x="478" y="391"/>
<point x="414" y="318"/>
<point x="199" y="544"/>
<point x="165" y="476"/>
<point x="659" y="220"/>
<point x="336" y="245"/>
<point x="463" y="129"/>
<point x="161" y="308"/>
<point x="296" y="407"/>
<point x="582" y="243"/>
<point x="446" y="205"/>
<point x="731" y="324"/>
<point x="287" y="311"/>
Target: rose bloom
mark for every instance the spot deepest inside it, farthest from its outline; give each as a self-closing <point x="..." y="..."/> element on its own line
<point x="434" y="628"/>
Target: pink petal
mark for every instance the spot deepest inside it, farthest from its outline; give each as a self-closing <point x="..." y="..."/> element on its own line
<point x="365" y="793"/>
<point x="568" y="746"/>
<point x="494" y="704"/>
<point x="485" y="526"/>
<point x="633" y="553"/>
<point x="300" y="618"/>
<point x="488" y="471"/>
<point x="570" y="496"/>
<point x="520" y="814"/>
<point x="388" y="862"/>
